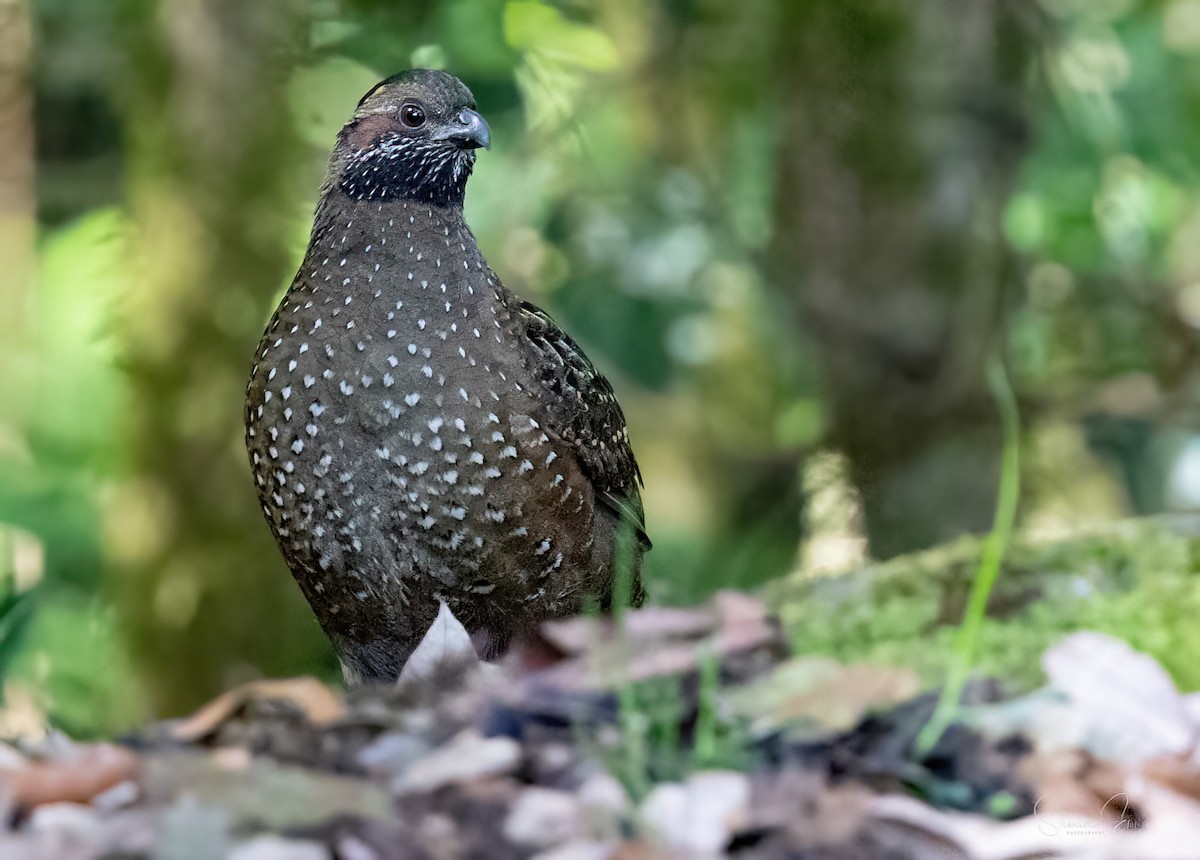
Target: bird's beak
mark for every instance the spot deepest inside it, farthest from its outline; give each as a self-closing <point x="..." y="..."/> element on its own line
<point x="469" y="130"/>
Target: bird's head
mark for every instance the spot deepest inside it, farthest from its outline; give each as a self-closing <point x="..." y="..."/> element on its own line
<point x="412" y="137"/>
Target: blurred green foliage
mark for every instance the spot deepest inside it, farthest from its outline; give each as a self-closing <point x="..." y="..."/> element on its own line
<point x="780" y="228"/>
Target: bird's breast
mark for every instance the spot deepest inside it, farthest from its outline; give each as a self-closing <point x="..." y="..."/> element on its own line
<point x="393" y="419"/>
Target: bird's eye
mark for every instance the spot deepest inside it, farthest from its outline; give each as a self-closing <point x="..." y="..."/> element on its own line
<point x="412" y="116"/>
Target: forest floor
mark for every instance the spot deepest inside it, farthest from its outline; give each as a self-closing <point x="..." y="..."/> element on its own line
<point x="670" y="733"/>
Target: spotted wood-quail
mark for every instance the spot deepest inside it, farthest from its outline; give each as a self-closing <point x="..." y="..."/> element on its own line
<point x="417" y="432"/>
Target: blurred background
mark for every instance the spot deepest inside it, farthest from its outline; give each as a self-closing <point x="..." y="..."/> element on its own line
<point x="790" y="233"/>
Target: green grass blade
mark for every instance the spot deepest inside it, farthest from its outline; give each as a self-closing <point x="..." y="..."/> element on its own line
<point x="966" y="642"/>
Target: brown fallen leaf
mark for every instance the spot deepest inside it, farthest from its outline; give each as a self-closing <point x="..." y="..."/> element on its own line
<point x="732" y="617"/>
<point x="655" y="642"/>
<point x="823" y="693"/>
<point x="1178" y="773"/>
<point x="319" y="705"/>
<point x="576" y="636"/>
<point x="75" y="776"/>
<point x="1072" y="782"/>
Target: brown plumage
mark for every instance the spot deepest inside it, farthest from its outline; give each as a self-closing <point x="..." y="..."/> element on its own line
<point x="417" y="432"/>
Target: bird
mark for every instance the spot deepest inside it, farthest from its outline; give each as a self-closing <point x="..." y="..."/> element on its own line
<point x="418" y="434"/>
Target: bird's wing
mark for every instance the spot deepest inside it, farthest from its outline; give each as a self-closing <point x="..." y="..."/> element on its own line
<point x="583" y="412"/>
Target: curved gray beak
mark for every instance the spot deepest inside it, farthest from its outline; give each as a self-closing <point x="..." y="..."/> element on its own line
<point x="469" y="130"/>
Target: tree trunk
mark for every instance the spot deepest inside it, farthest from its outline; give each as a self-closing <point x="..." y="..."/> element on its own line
<point x="903" y="128"/>
<point x="17" y="207"/>
<point x="204" y="595"/>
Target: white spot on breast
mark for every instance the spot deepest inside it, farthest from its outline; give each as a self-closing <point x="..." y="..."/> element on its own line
<point x="412" y="399"/>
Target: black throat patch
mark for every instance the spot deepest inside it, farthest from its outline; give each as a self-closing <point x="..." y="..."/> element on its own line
<point x="396" y="168"/>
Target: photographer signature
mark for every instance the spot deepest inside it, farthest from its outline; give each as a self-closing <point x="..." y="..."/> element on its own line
<point x="1113" y="816"/>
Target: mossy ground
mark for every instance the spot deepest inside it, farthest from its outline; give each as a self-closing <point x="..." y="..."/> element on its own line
<point x="1137" y="579"/>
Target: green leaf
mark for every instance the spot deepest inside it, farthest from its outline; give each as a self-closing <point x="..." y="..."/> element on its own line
<point x="537" y="28"/>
